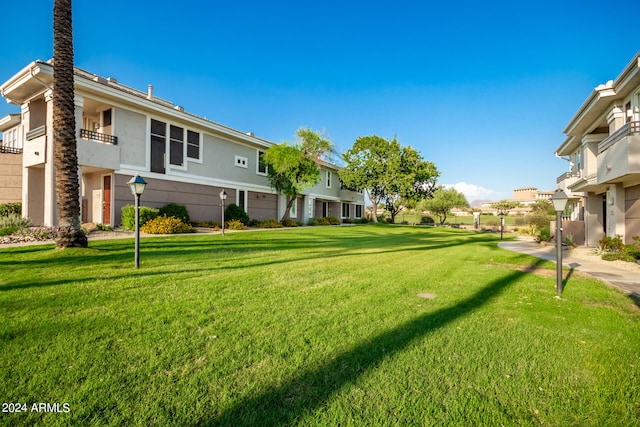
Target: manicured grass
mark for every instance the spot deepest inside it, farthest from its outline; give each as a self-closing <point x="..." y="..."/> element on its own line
<point x="314" y="326"/>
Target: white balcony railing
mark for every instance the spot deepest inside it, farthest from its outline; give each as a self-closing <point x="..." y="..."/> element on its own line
<point x="631" y="128"/>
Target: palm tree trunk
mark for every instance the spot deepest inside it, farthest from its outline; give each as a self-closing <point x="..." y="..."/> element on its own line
<point x="64" y="130"/>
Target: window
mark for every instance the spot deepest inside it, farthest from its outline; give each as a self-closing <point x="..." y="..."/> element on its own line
<point x="241" y="162"/>
<point x="358" y="211"/>
<point x="328" y="179"/>
<point x="293" y="212"/>
<point x="106" y="118"/>
<point x="176" y="145"/>
<point x="345" y="210"/>
<point x="262" y="166"/>
<point x="193" y="145"/>
<point x="158" y="145"/>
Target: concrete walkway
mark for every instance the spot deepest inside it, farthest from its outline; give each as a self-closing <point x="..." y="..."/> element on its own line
<point x="626" y="279"/>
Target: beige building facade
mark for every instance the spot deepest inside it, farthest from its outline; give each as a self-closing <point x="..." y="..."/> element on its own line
<point x="603" y="151"/>
<point x="184" y="158"/>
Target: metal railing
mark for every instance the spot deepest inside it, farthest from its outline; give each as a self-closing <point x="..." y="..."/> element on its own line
<point x="631" y="128"/>
<point x="567" y="175"/>
<point x="97" y="136"/>
<point x="10" y="150"/>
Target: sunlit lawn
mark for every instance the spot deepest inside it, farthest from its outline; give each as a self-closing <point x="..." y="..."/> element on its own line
<point x="315" y="326"/>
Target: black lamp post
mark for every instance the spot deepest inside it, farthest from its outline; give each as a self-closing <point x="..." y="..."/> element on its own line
<point x="223" y="197"/>
<point x="501" y="215"/>
<point x="137" y="185"/>
<point x="559" y="200"/>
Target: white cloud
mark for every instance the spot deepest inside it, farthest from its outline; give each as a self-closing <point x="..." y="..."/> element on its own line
<point x="473" y="192"/>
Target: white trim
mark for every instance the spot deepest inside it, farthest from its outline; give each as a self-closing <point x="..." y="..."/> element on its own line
<point x="241" y="162"/>
<point x="258" y="151"/>
<point x="194" y="179"/>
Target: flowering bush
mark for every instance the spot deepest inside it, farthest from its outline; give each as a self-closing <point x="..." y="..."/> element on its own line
<point x="166" y="225"/>
<point x="13" y="222"/>
<point x="269" y="223"/>
<point x="235" y="224"/>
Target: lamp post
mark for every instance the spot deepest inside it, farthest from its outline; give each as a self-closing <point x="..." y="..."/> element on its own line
<point x="223" y="196"/>
<point x="501" y="215"/>
<point x="559" y="200"/>
<point x="137" y="185"/>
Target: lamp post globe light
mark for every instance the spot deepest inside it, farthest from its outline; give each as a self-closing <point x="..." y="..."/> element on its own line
<point x="559" y="200"/>
<point x="137" y="185"/>
<point x="223" y="197"/>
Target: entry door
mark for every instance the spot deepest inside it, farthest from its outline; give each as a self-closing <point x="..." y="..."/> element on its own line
<point x="106" y="199"/>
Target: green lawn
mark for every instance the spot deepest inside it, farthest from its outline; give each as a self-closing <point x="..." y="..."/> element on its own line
<point x="314" y="327"/>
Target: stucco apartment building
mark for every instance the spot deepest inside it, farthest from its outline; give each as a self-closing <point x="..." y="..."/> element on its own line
<point x="122" y="131"/>
<point x="603" y="151"/>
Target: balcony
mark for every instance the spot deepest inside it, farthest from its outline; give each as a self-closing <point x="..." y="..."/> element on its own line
<point x="10" y="150"/>
<point x="567" y="176"/>
<point x="97" y="136"/>
<point x="98" y="150"/>
<point x="619" y="155"/>
<point x="631" y="128"/>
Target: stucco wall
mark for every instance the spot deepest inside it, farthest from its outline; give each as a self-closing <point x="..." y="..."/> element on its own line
<point x="632" y="213"/>
<point x="10" y="178"/>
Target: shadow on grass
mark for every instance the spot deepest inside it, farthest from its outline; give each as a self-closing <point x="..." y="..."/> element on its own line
<point x="288" y="403"/>
<point x="243" y="250"/>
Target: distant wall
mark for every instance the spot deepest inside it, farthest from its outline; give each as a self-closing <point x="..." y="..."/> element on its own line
<point x="10" y="178"/>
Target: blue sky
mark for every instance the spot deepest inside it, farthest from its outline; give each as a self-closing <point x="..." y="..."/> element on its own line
<point x="482" y="89"/>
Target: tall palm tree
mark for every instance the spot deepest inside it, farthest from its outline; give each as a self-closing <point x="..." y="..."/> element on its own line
<point x="64" y="131"/>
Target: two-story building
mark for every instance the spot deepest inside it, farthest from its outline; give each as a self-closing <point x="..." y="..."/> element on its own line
<point x="603" y="150"/>
<point x="122" y="131"/>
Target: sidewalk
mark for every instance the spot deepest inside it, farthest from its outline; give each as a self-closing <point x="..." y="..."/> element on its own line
<point x="627" y="279"/>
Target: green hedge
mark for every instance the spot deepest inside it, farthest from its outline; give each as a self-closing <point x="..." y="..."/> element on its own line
<point x="129" y="216"/>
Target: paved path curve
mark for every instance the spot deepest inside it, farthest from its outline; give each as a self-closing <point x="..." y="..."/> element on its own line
<point x="627" y="280"/>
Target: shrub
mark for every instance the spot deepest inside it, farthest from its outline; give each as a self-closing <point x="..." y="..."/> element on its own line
<point x="312" y="221"/>
<point x="166" y="225"/>
<point x="176" y="211"/>
<point x="612" y="244"/>
<point x="10" y="208"/>
<point x="235" y="212"/>
<point x="129" y="216"/>
<point x="328" y="220"/>
<point x="492" y="222"/>
<point x="288" y="222"/>
<point x="544" y="235"/>
<point x="206" y="224"/>
<point x="427" y="220"/>
<point x="235" y="224"/>
<point x="13" y="222"/>
<point x="363" y="220"/>
<point x="614" y="256"/>
<point x="538" y="221"/>
<point x="270" y="223"/>
<point x="102" y="227"/>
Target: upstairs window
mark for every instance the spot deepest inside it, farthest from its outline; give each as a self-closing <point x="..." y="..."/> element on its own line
<point x="158" y="145"/>
<point x="176" y="145"/>
<point x="193" y="145"/>
<point x="328" y="179"/>
<point x="262" y="166"/>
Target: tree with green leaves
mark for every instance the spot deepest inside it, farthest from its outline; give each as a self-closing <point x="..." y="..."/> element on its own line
<point x="294" y="167"/>
<point x="64" y="131"/>
<point x="444" y="199"/>
<point x="387" y="172"/>
<point x="415" y="180"/>
<point x="505" y="205"/>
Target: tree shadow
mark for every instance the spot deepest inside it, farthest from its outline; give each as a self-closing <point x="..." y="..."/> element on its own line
<point x="161" y="250"/>
<point x="287" y="403"/>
